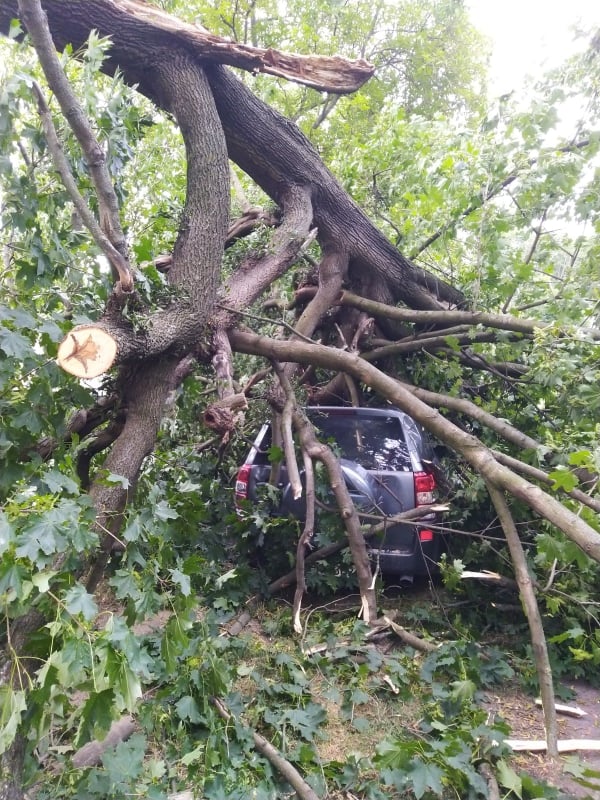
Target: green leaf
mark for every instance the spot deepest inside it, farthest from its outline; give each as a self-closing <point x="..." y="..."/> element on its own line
<point x="57" y="482"/>
<point x="114" y="478"/>
<point x="128" y="686"/>
<point x="96" y="716"/>
<point x="182" y="580"/>
<point x="187" y="709"/>
<point x="426" y="777"/>
<point x="463" y="690"/>
<point x="563" y="479"/>
<point x="163" y="511"/>
<point x="12" y="705"/>
<point x="14" y="344"/>
<point x="193" y="756"/>
<point x="79" y="601"/>
<point x="12" y="577"/>
<point x="125" y="761"/>
<point x="508" y="778"/>
<point x="41" y="580"/>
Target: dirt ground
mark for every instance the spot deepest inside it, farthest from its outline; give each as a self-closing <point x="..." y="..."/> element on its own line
<point x="526" y="722"/>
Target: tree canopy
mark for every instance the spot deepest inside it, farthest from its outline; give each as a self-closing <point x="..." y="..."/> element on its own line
<point x="187" y="249"/>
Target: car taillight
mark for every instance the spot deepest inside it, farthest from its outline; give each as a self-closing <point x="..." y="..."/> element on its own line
<point x="241" y="483"/>
<point x="424" y="488"/>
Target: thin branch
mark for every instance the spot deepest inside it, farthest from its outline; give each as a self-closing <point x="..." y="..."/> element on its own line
<point x="501" y="427"/>
<point x="539" y="475"/>
<point x="532" y="611"/>
<point x="431" y="343"/>
<point x="304" y="541"/>
<point x="488" y="195"/>
<point x="286" y="431"/>
<point x="348" y="513"/>
<point x="505" y="322"/>
<point x="87" y="217"/>
<point x="37" y="25"/>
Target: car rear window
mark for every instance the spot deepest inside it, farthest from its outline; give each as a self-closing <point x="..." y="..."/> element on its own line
<point x="375" y="442"/>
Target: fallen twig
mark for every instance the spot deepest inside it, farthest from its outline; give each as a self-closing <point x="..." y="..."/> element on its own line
<point x="409" y="638"/>
<point x="282" y="765"/>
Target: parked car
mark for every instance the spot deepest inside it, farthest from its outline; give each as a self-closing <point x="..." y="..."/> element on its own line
<point x="389" y="466"/>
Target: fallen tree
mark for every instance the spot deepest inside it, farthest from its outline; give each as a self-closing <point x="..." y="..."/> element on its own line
<point x="350" y="303"/>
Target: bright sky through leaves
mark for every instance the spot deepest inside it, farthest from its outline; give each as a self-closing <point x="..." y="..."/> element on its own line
<point x="528" y="35"/>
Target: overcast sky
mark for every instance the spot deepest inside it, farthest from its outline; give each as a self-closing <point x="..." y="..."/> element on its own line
<point x="528" y="34"/>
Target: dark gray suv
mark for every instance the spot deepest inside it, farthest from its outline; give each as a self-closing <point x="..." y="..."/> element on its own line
<point x="389" y="467"/>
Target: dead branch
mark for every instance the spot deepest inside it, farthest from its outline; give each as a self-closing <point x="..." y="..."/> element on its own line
<point x="568" y="711"/>
<point x="248" y="222"/>
<point x="111" y="238"/>
<point x="153" y="25"/>
<point x="532" y="612"/>
<point x="487" y="774"/>
<point x="282" y="765"/>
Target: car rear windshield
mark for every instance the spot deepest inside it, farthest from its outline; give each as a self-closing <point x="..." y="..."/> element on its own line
<point x="375" y="442"/>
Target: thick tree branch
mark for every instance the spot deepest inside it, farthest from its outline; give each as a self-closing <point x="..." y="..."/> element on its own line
<point x="323" y="73"/>
<point x="377" y="269"/>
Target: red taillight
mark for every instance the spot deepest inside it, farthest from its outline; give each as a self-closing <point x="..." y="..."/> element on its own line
<point x="424" y="488"/>
<point x="241" y="483"/>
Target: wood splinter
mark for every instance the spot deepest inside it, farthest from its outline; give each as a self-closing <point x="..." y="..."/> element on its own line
<point x="87" y="352"/>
